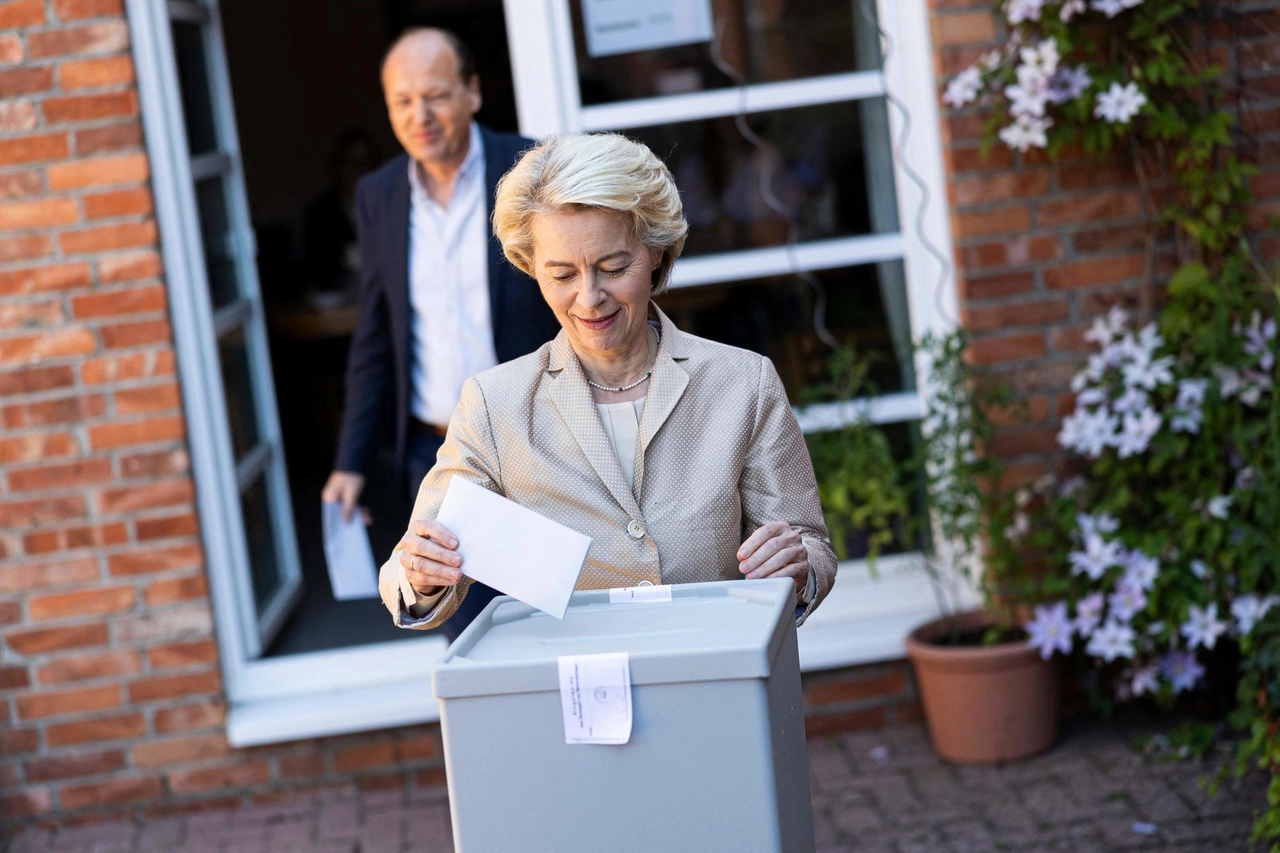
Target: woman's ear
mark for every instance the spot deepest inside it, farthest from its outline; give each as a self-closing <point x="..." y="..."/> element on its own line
<point x="656" y="255"/>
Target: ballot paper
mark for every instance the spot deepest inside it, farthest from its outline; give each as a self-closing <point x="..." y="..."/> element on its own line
<point x="595" y="697"/>
<point x="513" y="549"/>
<point x="352" y="571"/>
<point x="639" y="594"/>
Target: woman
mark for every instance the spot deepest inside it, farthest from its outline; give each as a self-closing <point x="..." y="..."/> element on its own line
<point x="680" y="457"/>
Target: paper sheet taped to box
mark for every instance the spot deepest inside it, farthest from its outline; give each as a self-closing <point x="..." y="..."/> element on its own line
<point x="595" y="698"/>
<point x="627" y="26"/>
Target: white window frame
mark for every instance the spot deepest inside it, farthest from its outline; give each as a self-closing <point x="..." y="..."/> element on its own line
<point x="388" y="684"/>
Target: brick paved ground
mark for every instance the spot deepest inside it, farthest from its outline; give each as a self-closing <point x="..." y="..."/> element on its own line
<point x="872" y="791"/>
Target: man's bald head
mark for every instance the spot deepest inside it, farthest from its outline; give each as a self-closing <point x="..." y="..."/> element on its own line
<point x="432" y="93"/>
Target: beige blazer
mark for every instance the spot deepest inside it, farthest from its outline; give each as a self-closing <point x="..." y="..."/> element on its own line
<point x="718" y="454"/>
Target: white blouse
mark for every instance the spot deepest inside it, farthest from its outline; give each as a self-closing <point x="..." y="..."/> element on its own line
<point x="622" y="424"/>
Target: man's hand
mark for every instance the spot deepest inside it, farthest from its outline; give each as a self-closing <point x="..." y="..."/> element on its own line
<point x="775" y="550"/>
<point x="427" y="552"/>
<point x="344" y="487"/>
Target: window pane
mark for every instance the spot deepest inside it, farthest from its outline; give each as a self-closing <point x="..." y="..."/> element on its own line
<point x="193" y="79"/>
<point x="219" y="248"/>
<point x="832" y="171"/>
<point x="762" y="41"/>
<point x="237" y="384"/>
<point x="264" y="564"/>
<point x="866" y="306"/>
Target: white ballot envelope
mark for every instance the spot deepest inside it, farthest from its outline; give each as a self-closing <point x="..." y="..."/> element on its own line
<point x="513" y="549"/>
<point x="352" y="571"/>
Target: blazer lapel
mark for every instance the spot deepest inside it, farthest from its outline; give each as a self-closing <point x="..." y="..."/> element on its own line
<point x="572" y="397"/>
<point x="397" y="282"/>
<point x="666" y="387"/>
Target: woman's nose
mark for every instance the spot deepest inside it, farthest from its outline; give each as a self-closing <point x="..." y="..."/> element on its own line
<point x="589" y="294"/>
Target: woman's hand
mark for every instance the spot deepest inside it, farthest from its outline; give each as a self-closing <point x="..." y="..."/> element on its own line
<point x="427" y="552"/>
<point x="775" y="550"/>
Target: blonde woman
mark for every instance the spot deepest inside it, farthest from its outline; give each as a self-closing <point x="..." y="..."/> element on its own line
<point x="680" y="457"/>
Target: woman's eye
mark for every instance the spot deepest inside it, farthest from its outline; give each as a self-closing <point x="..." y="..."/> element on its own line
<point x="615" y="273"/>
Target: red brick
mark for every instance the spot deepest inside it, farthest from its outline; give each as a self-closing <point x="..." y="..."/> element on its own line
<point x="167" y="527"/>
<point x="145" y="496"/>
<point x="159" y="753"/>
<point x="120" y="136"/>
<point x="56" y="343"/>
<point x="1015" y="314"/>
<point x="170" y="590"/>
<point x="124" y="235"/>
<point x="827" y="724"/>
<point x="44" y="279"/>
<point x="99" y="171"/>
<point x="42" y="445"/>
<point x="118" y="727"/>
<point x="93" y="665"/>
<point x="155" y="465"/>
<point x="130" y="300"/>
<point x="32" y="576"/>
<point x="38" y="214"/>
<point x="17" y="115"/>
<point x="96" y="536"/>
<point x="963" y="28"/>
<point x="1020" y="442"/>
<point x="30" y="149"/>
<point x="152" y="398"/>
<point x="31" y="315"/>
<point x="27" y="803"/>
<point x="115" y="368"/>
<point x="131" y="202"/>
<point x="92" y="73"/>
<point x="21" y="13"/>
<point x="11" y="52"/>
<point x="1001" y="186"/>
<point x="971" y="159"/>
<point x="1089" y="208"/>
<point x="1095" y="272"/>
<point x="111" y="599"/>
<point x="1006" y="348"/>
<point x="853" y="688"/>
<point x="18" y="741"/>
<point x="1114" y="238"/>
<point x="174" y="687"/>
<point x="996" y="221"/>
<point x="14" y="677"/>
<point x="82" y="108"/>
<point x="38" y="705"/>
<point x="420" y="747"/>
<point x="64" y="476"/>
<point x="1092" y="175"/>
<point x="128" y="789"/>
<point x="24" y="247"/>
<point x="21" y="184"/>
<point x="188" y="717"/>
<point x="68" y="766"/>
<point x="10" y="613"/>
<point x="75" y="10"/>
<point x="106" y="37"/>
<point x="1070" y="339"/>
<point x="431" y="777"/>
<point x="301" y="766"/>
<point x="364" y="757"/>
<point x="151" y="430"/>
<point x="194" y="620"/>
<point x="32" y="379"/>
<point x="60" y="410"/>
<point x="138" y="562"/>
<point x="37" y="641"/>
<point x="996" y="286"/>
<point x="24" y="81"/>
<point x="182" y="654"/>
<point x="219" y="778"/>
<point x="140" y="333"/>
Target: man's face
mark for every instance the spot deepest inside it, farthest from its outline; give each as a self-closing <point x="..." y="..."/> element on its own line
<point x="429" y="103"/>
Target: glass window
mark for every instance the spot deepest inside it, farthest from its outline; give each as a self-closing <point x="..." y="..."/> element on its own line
<point x="865" y="306"/>
<point x="763" y="41"/>
<point x="193" y="80"/>
<point x="827" y="172"/>
<point x="219" y="246"/>
<point x="237" y="385"/>
<point x="264" y="564"/>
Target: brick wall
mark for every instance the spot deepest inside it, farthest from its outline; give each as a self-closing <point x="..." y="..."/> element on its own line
<point x="1043" y="247"/>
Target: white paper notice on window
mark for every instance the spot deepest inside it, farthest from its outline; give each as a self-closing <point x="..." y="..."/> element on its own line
<point x="639" y="594"/>
<point x="595" y="697"/>
<point x="627" y="26"/>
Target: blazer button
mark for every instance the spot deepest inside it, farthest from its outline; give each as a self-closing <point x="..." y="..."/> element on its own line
<point x="634" y="530"/>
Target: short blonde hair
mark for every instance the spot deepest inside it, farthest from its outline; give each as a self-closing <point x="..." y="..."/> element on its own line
<point x="606" y="171"/>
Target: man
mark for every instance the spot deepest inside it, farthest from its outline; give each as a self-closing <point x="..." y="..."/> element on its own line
<point x="438" y="301"/>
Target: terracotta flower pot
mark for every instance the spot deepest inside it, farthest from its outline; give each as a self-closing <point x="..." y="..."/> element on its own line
<point x="984" y="704"/>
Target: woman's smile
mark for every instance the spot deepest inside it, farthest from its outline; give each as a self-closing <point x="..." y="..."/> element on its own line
<point x="599" y="324"/>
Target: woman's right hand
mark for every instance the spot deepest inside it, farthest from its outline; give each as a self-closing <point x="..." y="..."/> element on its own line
<point x="428" y="552"/>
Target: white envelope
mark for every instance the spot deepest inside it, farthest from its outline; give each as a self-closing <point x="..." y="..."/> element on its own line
<point x="513" y="549"/>
<point x="352" y="572"/>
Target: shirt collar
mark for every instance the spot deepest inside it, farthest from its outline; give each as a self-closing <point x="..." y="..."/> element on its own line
<point x="471" y="164"/>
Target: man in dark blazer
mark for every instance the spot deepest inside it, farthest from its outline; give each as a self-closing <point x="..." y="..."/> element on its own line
<point x="438" y="301"/>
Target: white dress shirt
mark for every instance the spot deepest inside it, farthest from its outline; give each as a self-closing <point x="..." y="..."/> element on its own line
<point x="451" y="325"/>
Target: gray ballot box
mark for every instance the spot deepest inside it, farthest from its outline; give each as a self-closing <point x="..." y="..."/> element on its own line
<point x="716" y="760"/>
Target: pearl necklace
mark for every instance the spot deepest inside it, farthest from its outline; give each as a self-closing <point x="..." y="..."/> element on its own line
<point x="622" y="388"/>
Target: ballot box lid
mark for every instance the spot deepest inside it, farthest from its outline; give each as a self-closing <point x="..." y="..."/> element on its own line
<point x="707" y="632"/>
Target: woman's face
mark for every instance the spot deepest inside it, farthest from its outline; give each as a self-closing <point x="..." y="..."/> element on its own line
<point x="596" y="276"/>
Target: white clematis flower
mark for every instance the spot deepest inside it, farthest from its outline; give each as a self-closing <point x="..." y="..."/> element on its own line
<point x="963" y="89"/>
<point x="1203" y="627"/>
<point x="1111" y="641"/>
<point x="1120" y="104"/>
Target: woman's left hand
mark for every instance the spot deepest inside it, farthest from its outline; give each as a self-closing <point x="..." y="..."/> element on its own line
<point x="775" y="550"/>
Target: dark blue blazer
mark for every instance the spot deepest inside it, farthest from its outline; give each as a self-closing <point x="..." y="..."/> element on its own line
<point x="378" y="367"/>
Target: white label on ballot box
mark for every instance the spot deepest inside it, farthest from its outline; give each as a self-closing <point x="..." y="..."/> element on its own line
<point x="595" y="696"/>
<point x="639" y="594"/>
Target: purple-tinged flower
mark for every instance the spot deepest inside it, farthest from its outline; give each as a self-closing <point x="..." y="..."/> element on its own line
<point x="1127" y="601"/>
<point x="1070" y="9"/>
<point x="1133" y="400"/>
<point x="1203" y="627"/>
<point x="1182" y="670"/>
<point x="1141" y="570"/>
<point x="1104" y="523"/>
<point x="964" y="88"/>
<point x="1111" y="641"/>
<point x="1026" y="132"/>
<point x="1257" y="340"/>
<point x="1219" y="506"/>
<point x="1098" y="556"/>
<point x="1120" y="104"/>
<point x="1137" y="433"/>
<point x="1050" y="631"/>
<point x="1018" y="11"/>
<point x="1088" y="613"/>
<point x="1229" y="381"/>
<point x="1249" y="609"/>
<point x="1199" y="569"/>
<point x="1191" y="393"/>
<point x="1069" y="84"/>
<point x="1145" y="680"/>
<point x="1111" y="8"/>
